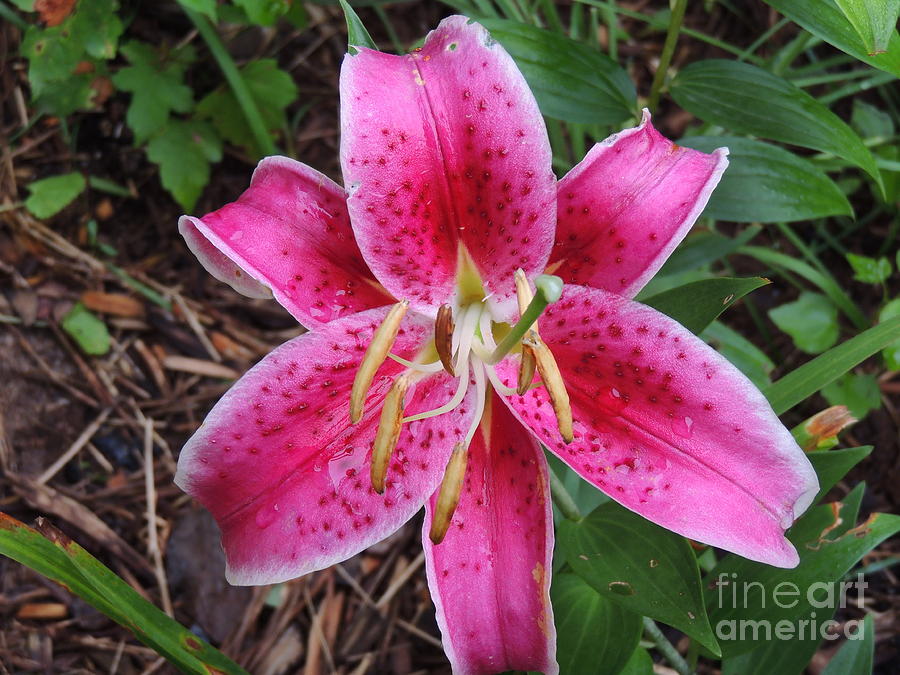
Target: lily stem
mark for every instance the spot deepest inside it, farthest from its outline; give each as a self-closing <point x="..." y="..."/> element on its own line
<point x="563" y="500"/>
<point x="668" y="651"/>
<point x="547" y="290"/>
<point x="665" y="58"/>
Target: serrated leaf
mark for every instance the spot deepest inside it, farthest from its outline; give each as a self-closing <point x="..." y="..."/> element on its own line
<point x="860" y="393"/>
<point x="157" y="88"/>
<point x="697" y="304"/>
<point x="87" y="330"/>
<point x="95" y="25"/>
<point x="272" y="89"/>
<point x="641" y="566"/>
<point x="264" y="12"/>
<point x="749" y="100"/>
<point x="825" y="20"/>
<point x="184" y="151"/>
<point x="765" y="183"/>
<point x="811" y="321"/>
<point x="869" y="270"/>
<point x="51" y="195"/>
<point x="594" y="635"/>
<point x="570" y="80"/>
<point x="873" y="20"/>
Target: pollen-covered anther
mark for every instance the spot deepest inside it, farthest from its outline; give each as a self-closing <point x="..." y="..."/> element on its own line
<point x="443" y="337"/>
<point x="377" y="352"/>
<point x="527" y="362"/>
<point x="448" y="496"/>
<point x="388" y="433"/>
<point x="553" y="383"/>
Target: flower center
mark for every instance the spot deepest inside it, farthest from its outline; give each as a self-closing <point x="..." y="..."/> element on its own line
<point x="465" y="343"/>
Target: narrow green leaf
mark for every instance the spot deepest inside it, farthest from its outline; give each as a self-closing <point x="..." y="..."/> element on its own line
<point x="889" y="311"/>
<point x="857" y="655"/>
<point x="860" y="393"/>
<point x="747" y="99"/>
<point x="702" y="248"/>
<point x="87" y="330"/>
<point x="51" y="553"/>
<point x="748" y="358"/>
<point x="357" y="35"/>
<point x="809" y="378"/>
<point x="697" y="304"/>
<point x="765" y="183"/>
<point x="570" y="80"/>
<point x="825" y="20"/>
<point x="811" y="321"/>
<point x="832" y="465"/>
<point x="51" y="195"/>
<point x="641" y="566"/>
<point x="871" y="121"/>
<point x="873" y="20"/>
<point x="207" y="7"/>
<point x="594" y="634"/>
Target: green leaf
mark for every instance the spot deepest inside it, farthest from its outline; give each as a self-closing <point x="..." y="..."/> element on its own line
<point x="891" y="311"/>
<point x="869" y="270"/>
<point x="747" y="99"/>
<point x="748" y="358"/>
<point x="51" y="195"/>
<point x="51" y="553"/>
<point x="703" y="247"/>
<point x="272" y="89"/>
<point x="640" y="663"/>
<point x="765" y="183"/>
<point x="644" y="568"/>
<point x="857" y="655"/>
<point x="813" y="375"/>
<point x="184" y="151"/>
<point x="697" y="304"/>
<point x="832" y="465"/>
<point x="357" y="35"/>
<point x="870" y="121"/>
<point x="873" y="20"/>
<point x="739" y="590"/>
<point x="87" y="330"/>
<point x="570" y="80"/>
<point x="264" y="12"/>
<point x="157" y="88"/>
<point x="207" y="7"/>
<point x="811" y="321"/>
<point x="860" y="393"/>
<point x="594" y="635"/>
<point x="95" y="25"/>
<point x="825" y="20"/>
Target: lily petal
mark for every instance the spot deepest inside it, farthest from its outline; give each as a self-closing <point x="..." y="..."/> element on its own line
<point x="441" y="148"/>
<point x="490" y="577"/>
<point x="626" y="206"/>
<point x="668" y="428"/>
<point x="289" y="231"/>
<point x="286" y="475"/>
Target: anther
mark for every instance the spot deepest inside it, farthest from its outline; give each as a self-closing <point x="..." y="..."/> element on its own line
<point x="527" y="362"/>
<point x="388" y="433"/>
<point x="443" y="337"/>
<point x="448" y="497"/>
<point x="381" y="344"/>
<point x="553" y="383"/>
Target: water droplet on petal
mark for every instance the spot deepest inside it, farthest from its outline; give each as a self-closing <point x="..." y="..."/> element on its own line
<point x="266" y="516"/>
<point x="683" y="426"/>
<point x="615" y="400"/>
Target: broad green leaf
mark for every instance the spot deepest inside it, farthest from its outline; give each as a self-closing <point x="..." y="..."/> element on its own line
<point x="357" y="35"/>
<point x="748" y="358"/>
<point x="860" y="393"/>
<point x="594" y="634"/>
<point x="857" y="655"/>
<point x="873" y="20"/>
<point x="51" y="195"/>
<point x="891" y="311"/>
<point x="264" y="12"/>
<point x="95" y="25"/>
<point x="24" y="5"/>
<point x="207" y="7"/>
<point x="51" y="553"/>
<point x="749" y="100"/>
<point x="570" y="80"/>
<point x="640" y="663"/>
<point x="183" y="151"/>
<point x="832" y="465"/>
<point x="825" y="20"/>
<point x="157" y="88"/>
<point x="87" y="330"/>
<point x="871" y="121"/>
<point x="52" y="58"/>
<point x="271" y="88"/>
<point x="639" y="565"/>
<point x="869" y="270"/>
<point x="740" y="591"/>
<point x="765" y="183"/>
<point x="697" y="304"/>
<point x="809" y="378"/>
<point x="811" y="321"/>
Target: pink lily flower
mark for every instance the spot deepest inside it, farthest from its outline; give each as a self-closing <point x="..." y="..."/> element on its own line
<point x="416" y="385"/>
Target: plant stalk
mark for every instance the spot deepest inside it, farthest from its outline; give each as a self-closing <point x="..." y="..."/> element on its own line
<point x="665" y="58"/>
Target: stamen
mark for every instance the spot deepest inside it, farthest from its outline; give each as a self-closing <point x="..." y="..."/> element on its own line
<point x="467" y="336"/>
<point x="454" y="401"/>
<point x="448" y="497"/>
<point x="527" y="362"/>
<point x="377" y="352"/>
<point x="480" y="397"/>
<point x="553" y="382"/>
<point x="443" y="337"/>
<point x="549" y="288"/>
<point x="388" y="433"/>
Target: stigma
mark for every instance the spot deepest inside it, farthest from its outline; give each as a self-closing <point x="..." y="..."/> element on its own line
<point x="466" y="349"/>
